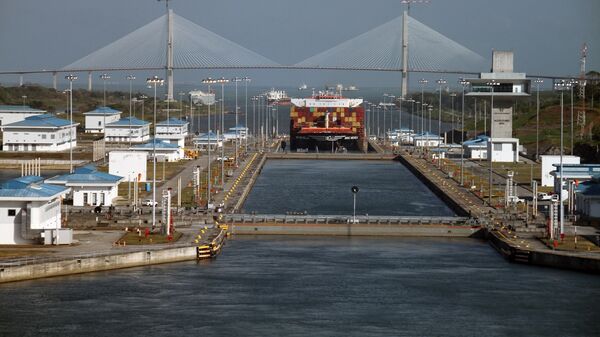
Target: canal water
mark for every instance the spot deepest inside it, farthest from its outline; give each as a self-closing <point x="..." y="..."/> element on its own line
<point x="316" y="286"/>
<point x="322" y="187"/>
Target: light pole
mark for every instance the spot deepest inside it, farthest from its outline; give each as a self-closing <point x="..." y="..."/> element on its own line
<point x="354" y="190"/>
<point x="130" y="78"/>
<point x="452" y="96"/>
<point x="441" y="83"/>
<point x="491" y="84"/>
<point x="399" y="134"/>
<point x="254" y="99"/>
<point x="464" y="84"/>
<point x="181" y="94"/>
<point x="537" y="82"/>
<point x="104" y="78"/>
<point x="571" y="85"/>
<point x="143" y="99"/>
<point x="70" y="78"/>
<point x="423" y="83"/>
<point x="384" y="113"/>
<point x="236" y="80"/>
<point x="561" y="86"/>
<point x="154" y="81"/>
<point x="208" y="82"/>
<point x="222" y="81"/>
<point x="246" y="80"/>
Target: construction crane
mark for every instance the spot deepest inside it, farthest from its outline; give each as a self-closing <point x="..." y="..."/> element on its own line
<point x="581" y="114"/>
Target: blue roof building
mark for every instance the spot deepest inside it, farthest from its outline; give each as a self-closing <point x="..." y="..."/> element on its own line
<point x="90" y="187"/>
<point x="29" y="207"/>
<point x="15" y="113"/>
<point x="164" y="150"/>
<point x="43" y="133"/>
<point x="173" y="130"/>
<point x="128" y="129"/>
<point x="97" y="118"/>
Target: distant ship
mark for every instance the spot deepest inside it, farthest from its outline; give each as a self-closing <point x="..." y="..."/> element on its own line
<point x="201" y="97"/>
<point x="278" y="97"/>
<point x="340" y="88"/>
<point x="327" y="122"/>
<point x="303" y="87"/>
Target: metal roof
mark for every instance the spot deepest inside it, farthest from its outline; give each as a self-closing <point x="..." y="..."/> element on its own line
<point x="480" y="140"/>
<point x="103" y="110"/>
<point x="427" y="135"/>
<point x="160" y="145"/>
<point x="206" y="136"/>
<point x="29" y="188"/>
<point x="20" y="108"/>
<point x="41" y="121"/>
<point x="85" y="175"/>
<point x="172" y="122"/>
<point x="126" y="122"/>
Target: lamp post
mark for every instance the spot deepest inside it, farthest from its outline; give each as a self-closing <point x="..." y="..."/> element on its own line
<point x="154" y="81"/>
<point x="354" y="190"/>
<point x="130" y="78"/>
<point x="441" y="83"/>
<point x="537" y="82"/>
<point x="208" y="82"/>
<point x="70" y="78"/>
<point x="104" y="78"/>
<point x="254" y="99"/>
<point x="143" y="99"/>
<point x="464" y="84"/>
<point x="384" y="113"/>
<point x="572" y="83"/>
<point x="423" y="83"/>
<point x="561" y="86"/>
<point x="246" y="80"/>
<point x="491" y="84"/>
<point x="452" y="96"/>
<point x="181" y="94"/>
<point x="236" y="80"/>
<point x="222" y="81"/>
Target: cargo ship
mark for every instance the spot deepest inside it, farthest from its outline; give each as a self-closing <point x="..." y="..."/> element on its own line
<point x="327" y="122"/>
<point x="278" y="97"/>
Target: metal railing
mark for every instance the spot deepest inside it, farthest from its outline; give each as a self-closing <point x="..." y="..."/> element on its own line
<point x="337" y="219"/>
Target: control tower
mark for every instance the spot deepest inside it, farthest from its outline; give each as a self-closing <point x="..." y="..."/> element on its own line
<point x="504" y="86"/>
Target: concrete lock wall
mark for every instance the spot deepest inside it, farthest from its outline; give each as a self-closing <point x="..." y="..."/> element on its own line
<point x="100" y="263"/>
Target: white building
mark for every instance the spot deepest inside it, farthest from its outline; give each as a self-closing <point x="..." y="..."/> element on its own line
<point x="131" y="165"/>
<point x="15" y="113"/>
<point x="95" y="119"/>
<point x="588" y="202"/>
<point x="427" y="139"/>
<point x="128" y="129"/>
<point x="164" y="151"/>
<point x="239" y="132"/>
<point x="548" y="162"/>
<point x="477" y="147"/>
<point x="201" y="97"/>
<point x="39" y="133"/>
<point x="173" y="131"/>
<point x="504" y="150"/>
<point x="203" y="141"/>
<point x="30" y="211"/>
<point x="89" y="187"/>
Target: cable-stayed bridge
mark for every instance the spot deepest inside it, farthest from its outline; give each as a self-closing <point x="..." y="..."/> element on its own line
<point x="172" y="42"/>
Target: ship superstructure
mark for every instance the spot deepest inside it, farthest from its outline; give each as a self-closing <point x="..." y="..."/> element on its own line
<point x="327" y="122"/>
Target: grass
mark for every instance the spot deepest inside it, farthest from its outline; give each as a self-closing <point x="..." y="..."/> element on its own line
<point x="132" y="238"/>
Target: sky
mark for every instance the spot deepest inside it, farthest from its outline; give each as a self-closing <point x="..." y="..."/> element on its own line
<point x="545" y="35"/>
